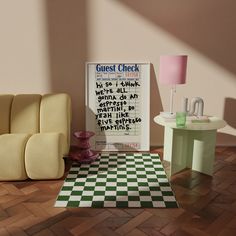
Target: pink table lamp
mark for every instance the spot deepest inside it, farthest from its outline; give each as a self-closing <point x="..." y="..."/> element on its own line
<point x="172" y="71"/>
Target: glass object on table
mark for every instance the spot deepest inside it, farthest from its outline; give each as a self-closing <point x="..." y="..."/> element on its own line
<point x="181" y="119"/>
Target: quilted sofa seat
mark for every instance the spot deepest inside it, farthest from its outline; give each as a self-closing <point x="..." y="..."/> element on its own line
<point x="34" y="135"/>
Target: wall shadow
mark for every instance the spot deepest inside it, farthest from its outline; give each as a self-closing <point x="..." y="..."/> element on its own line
<point x="230" y="112"/>
<point x="67" y="49"/>
<point x="156" y="131"/>
<point x="224" y="139"/>
<point x="230" y="118"/>
<point x="207" y="26"/>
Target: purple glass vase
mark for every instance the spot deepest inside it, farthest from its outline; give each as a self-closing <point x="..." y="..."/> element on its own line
<point x="83" y="153"/>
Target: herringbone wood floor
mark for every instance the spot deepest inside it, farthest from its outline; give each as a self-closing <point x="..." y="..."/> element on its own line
<point x="207" y="207"/>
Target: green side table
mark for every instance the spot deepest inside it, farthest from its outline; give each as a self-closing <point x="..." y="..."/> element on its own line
<point x="190" y="147"/>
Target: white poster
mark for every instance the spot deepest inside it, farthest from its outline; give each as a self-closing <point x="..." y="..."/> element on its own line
<point x="117" y="105"/>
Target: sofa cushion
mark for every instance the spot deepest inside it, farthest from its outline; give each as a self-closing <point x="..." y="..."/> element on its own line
<point x="12" y="154"/>
<point x="5" y="112"/>
<point x="44" y="156"/>
<point x="25" y="113"/>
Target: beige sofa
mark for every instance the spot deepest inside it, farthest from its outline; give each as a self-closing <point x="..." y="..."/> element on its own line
<point x="34" y="135"/>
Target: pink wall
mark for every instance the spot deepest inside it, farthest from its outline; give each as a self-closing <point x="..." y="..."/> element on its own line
<point x="44" y="46"/>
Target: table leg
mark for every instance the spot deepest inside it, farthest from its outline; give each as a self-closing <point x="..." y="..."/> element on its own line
<point x="176" y="149"/>
<point x="189" y="149"/>
<point x="203" y="154"/>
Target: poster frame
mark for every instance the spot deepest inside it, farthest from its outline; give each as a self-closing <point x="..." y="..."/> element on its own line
<point x="90" y="99"/>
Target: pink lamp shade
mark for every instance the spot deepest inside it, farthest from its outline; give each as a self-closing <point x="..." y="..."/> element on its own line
<point x="173" y="69"/>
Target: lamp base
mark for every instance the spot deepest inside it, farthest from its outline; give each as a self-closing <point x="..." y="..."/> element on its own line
<point x="167" y="115"/>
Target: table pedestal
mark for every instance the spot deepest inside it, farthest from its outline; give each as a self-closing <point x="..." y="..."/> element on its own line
<point x="193" y="149"/>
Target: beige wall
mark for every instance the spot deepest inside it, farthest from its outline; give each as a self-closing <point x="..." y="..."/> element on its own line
<point x="43" y="49"/>
<point x="24" y="56"/>
<point x="44" y="44"/>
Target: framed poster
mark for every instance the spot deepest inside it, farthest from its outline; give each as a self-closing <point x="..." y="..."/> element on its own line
<point x="118" y="105"/>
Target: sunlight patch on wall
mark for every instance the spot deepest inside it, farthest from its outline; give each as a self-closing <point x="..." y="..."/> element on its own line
<point x="117" y="33"/>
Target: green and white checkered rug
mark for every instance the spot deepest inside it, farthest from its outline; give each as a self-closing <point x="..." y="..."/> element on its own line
<point x="118" y="180"/>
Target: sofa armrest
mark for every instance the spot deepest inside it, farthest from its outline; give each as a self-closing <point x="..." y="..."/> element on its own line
<point x="55" y="115"/>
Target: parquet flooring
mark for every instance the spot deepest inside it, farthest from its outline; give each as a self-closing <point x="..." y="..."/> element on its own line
<point x="207" y="207"/>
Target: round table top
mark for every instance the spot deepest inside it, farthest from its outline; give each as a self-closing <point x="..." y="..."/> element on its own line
<point x="214" y="123"/>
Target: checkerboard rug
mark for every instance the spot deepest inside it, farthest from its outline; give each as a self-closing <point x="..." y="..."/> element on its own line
<point x="118" y="180"/>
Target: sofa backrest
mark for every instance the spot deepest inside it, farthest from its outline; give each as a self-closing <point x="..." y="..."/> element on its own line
<point x="25" y="113"/>
<point x="5" y="112"/>
<point x="34" y="113"/>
